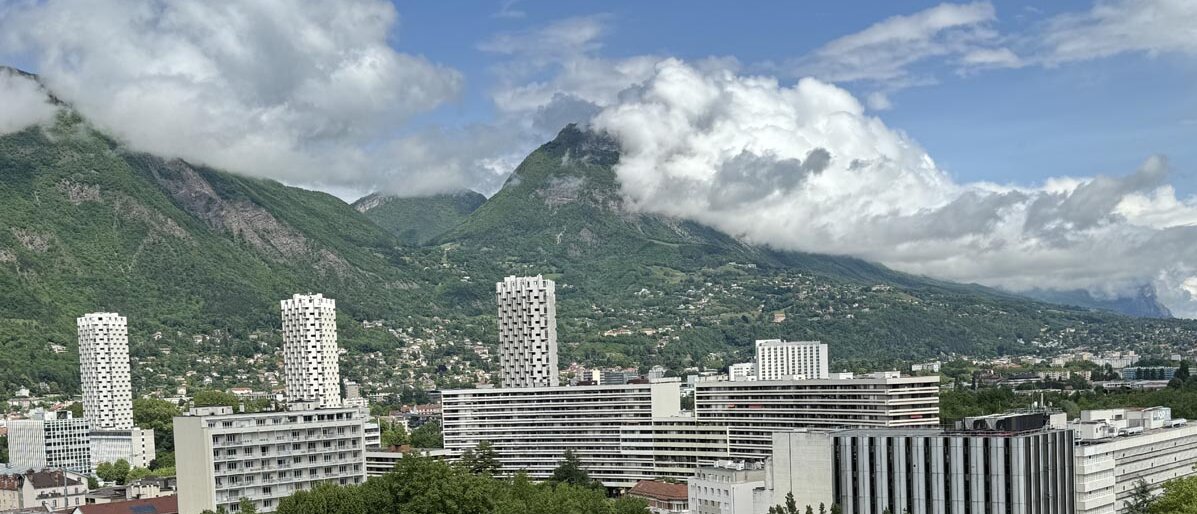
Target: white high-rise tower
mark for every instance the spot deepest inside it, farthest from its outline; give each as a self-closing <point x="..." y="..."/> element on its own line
<point x="104" y="370"/>
<point x="527" y="331"/>
<point x="310" y="359"/>
<point x="786" y="360"/>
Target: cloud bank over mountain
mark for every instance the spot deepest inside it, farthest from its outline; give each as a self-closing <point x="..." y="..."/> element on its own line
<point x="805" y="167"/>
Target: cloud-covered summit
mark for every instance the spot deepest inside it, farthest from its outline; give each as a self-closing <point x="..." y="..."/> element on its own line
<point x="804" y="167"/>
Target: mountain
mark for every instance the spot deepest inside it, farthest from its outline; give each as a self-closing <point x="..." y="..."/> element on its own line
<point x="89" y="225"/>
<point x="198" y="258"/>
<point x="1143" y="303"/>
<point x="416" y="220"/>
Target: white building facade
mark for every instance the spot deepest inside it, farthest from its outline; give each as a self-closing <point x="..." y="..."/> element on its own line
<point x="527" y="331"/>
<point x="622" y="434"/>
<point x="752" y="411"/>
<point x="1120" y="447"/>
<point x="134" y="445"/>
<point x="50" y="440"/>
<point x="742" y="372"/>
<point x="787" y="360"/>
<point x="222" y="457"/>
<point x="729" y="487"/>
<point x="104" y="370"/>
<point x="310" y="353"/>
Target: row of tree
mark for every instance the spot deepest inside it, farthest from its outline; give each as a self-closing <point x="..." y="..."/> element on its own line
<point x="420" y="485"/>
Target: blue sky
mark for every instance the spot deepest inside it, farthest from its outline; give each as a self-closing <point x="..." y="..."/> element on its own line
<point x="1101" y="116"/>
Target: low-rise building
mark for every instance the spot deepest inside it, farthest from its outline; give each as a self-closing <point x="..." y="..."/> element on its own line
<point x="662" y="497"/>
<point x="223" y="457"/>
<point x="135" y="445"/>
<point x="159" y="505"/>
<point x="50" y="489"/>
<point x="729" y="487"/>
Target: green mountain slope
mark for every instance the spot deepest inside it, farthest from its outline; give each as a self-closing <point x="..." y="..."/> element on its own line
<point x="90" y="226"/>
<point x="416" y="220"/>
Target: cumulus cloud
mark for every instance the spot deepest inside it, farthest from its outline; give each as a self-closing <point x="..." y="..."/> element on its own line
<point x="1121" y="26"/>
<point x="804" y="167"/>
<point x="25" y="103"/>
<point x="303" y="91"/>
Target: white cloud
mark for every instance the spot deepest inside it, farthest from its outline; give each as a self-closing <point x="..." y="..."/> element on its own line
<point x="302" y="91"/>
<point x="803" y="167"/>
<point x="24" y="102"/>
<point x="1122" y="26"/>
<point x="890" y="54"/>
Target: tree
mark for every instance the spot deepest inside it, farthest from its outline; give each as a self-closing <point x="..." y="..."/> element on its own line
<point x="790" y="507"/>
<point x="76" y="409"/>
<point x="137" y="473"/>
<point x="393" y="434"/>
<point x="809" y="510"/>
<point x="822" y="508"/>
<point x="835" y="509"/>
<point x="570" y="471"/>
<point x="120" y="469"/>
<point x="428" y="435"/>
<point x="246" y="507"/>
<point x="157" y="415"/>
<point x="1183" y="371"/>
<point x="1180" y="497"/>
<point x="3" y="448"/>
<point x="92" y="483"/>
<point x="106" y="472"/>
<point x="482" y="460"/>
<point x="1140" y="500"/>
<point x="212" y="398"/>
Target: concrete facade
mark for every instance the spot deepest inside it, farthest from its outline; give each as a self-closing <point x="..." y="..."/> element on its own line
<point x="787" y="360"/>
<point x="134" y="445"/>
<point x="310" y="355"/>
<point x="729" y="487"/>
<point x="527" y="332"/>
<point x="930" y="471"/>
<point x="51" y="440"/>
<point x="222" y="457"/>
<point x="104" y="370"/>
<point x="752" y="411"/>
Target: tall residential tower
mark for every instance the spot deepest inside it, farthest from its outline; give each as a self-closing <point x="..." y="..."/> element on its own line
<point x="104" y="371"/>
<point x="310" y="359"/>
<point x="786" y="360"/>
<point x="527" y="331"/>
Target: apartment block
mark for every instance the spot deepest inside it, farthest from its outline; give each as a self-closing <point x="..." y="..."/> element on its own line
<point x="742" y="372"/>
<point x="104" y="370"/>
<point x="527" y="331"/>
<point x="621" y="433"/>
<point x="1117" y="448"/>
<point x="50" y="440"/>
<point x="927" y="471"/>
<point x="787" y="360"/>
<point x="310" y="353"/>
<point x="752" y="411"/>
<point x="264" y="457"/>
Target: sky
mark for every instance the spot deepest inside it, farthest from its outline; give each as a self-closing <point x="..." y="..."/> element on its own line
<point x="1020" y="145"/>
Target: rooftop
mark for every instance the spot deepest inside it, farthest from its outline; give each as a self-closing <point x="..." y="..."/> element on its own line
<point x="660" y="490"/>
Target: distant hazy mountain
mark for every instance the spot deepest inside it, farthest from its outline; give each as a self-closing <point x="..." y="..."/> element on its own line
<point x="416" y="220"/>
<point x="1143" y="304"/>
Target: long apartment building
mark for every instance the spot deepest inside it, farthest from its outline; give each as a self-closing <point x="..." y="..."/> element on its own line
<point x="1120" y="447"/>
<point x="622" y="433"/>
<point x="50" y="440"/>
<point x="752" y="411"/>
<point x="527" y="331"/>
<point x="630" y="432"/>
<point x="222" y="457"/>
